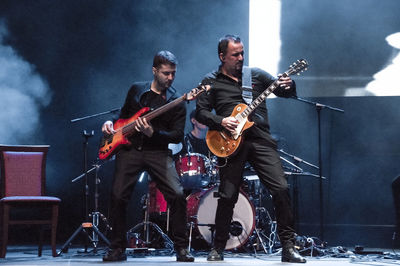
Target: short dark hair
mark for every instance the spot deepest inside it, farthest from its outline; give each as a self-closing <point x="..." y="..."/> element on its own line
<point x="192" y="115"/>
<point x="223" y="42"/>
<point x="164" y="57"/>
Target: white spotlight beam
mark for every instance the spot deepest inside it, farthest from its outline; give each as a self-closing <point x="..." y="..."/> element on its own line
<point x="264" y="34"/>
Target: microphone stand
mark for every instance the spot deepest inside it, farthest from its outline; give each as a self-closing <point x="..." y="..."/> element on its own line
<point x="87" y="223"/>
<point x="318" y="108"/>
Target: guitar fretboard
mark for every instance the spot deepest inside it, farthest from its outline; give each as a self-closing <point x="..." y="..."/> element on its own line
<point x="260" y="98"/>
<point x="130" y="128"/>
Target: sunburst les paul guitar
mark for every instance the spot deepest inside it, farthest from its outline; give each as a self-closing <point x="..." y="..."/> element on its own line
<point x="224" y="143"/>
<point x="110" y="144"/>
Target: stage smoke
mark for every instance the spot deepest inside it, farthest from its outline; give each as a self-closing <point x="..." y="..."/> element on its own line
<point x="23" y="92"/>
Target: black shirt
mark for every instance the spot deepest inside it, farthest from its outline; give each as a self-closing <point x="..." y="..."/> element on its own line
<point x="226" y="93"/>
<point x="191" y="144"/>
<point x="168" y="127"/>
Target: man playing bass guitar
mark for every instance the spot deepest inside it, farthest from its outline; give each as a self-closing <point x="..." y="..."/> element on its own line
<point x="148" y="152"/>
<point x="258" y="148"/>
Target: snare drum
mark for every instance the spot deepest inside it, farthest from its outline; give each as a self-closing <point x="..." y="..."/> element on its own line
<point x="193" y="170"/>
<point x="201" y="209"/>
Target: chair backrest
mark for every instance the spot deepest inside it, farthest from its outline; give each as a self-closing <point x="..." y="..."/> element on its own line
<point x="23" y="170"/>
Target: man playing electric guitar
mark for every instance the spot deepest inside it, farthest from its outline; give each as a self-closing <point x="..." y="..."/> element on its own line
<point x="257" y="147"/>
<point x="148" y="151"/>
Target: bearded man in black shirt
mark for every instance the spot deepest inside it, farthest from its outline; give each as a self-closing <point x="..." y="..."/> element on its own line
<point x="149" y="152"/>
<point x="258" y="147"/>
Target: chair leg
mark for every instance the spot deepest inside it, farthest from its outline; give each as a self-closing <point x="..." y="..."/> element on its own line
<point x="4" y="239"/>
<point x="54" y="221"/>
<point x="40" y="247"/>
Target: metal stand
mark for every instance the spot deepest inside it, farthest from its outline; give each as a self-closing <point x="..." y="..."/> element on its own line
<point x="260" y="236"/>
<point x="84" y="227"/>
<point x="95" y="215"/>
<point x="295" y="171"/>
<point x="318" y="108"/>
<point x="148" y="226"/>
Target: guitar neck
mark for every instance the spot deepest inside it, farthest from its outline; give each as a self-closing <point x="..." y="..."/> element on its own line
<point x="260" y="98"/>
<point x="129" y="129"/>
<point x="164" y="108"/>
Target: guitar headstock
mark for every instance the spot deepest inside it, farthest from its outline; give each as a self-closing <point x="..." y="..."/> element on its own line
<point x="297" y="67"/>
<point x="194" y="93"/>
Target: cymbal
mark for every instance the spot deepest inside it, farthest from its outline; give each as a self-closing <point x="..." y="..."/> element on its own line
<point x="175" y="148"/>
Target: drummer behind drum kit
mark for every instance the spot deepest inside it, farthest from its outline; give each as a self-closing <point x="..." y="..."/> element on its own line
<point x="251" y="227"/>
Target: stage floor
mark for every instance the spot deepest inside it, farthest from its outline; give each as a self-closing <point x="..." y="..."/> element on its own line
<point x="27" y="255"/>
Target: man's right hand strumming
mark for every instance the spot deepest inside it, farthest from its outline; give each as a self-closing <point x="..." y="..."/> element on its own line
<point x="230" y="123"/>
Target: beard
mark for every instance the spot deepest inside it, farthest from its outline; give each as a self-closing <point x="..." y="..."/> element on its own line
<point x="164" y="84"/>
<point x="238" y="69"/>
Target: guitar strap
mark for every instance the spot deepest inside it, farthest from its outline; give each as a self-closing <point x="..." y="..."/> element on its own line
<point x="247" y="89"/>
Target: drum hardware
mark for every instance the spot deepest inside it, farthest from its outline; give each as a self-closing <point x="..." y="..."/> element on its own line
<point x="214" y="160"/>
<point x="135" y="234"/>
<point x="190" y="235"/>
<point x="191" y="226"/>
<point x="260" y="236"/>
<point x="270" y="242"/>
<point x="264" y="234"/>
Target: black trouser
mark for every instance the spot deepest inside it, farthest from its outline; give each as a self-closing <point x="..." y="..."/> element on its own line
<point x="267" y="164"/>
<point x="161" y="168"/>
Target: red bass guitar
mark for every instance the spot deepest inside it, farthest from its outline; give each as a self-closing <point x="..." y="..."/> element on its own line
<point x="110" y="144"/>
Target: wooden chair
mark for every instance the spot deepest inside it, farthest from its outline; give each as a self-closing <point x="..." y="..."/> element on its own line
<point x="22" y="186"/>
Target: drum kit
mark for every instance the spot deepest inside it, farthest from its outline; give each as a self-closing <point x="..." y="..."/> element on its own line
<point x="251" y="226"/>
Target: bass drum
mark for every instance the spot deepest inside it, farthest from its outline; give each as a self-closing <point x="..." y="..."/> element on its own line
<point x="201" y="208"/>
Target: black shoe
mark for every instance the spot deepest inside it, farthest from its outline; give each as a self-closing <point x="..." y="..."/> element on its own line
<point x="215" y="255"/>
<point x="182" y="254"/>
<point x="290" y="254"/>
<point x="117" y="254"/>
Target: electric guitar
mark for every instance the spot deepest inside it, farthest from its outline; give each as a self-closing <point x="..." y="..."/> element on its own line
<point x="110" y="144"/>
<point x="224" y="143"/>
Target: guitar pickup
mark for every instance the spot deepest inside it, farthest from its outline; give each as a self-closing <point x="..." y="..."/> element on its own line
<point x="222" y="135"/>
